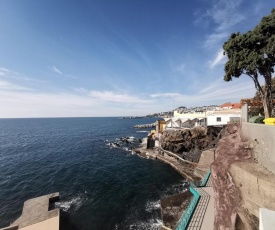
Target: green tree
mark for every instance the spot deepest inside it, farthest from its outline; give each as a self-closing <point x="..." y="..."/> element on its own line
<point x="253" y="54"/>
<point x="257" y="94"/>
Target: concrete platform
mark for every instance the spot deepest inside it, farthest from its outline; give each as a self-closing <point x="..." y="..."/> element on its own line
<point x="37" y="214"/>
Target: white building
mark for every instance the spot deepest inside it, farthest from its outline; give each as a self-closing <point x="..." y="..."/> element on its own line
<point x="176" y="122"/>
<point x="217" y="118"/>
<point x="190" y="115"/>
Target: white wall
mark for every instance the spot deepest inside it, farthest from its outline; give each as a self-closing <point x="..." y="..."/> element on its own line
<point x="172" y="124"/>
<point x="267" y="220"/>
<point x="225" y="118"/>
<point x="190" y="115"/>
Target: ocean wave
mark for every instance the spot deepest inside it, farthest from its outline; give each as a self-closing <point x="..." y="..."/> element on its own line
<point x="152" y="205"/>
<point x="142" y="131"/>
<point x="71" y="205"/>
<point x="152" y="224"/>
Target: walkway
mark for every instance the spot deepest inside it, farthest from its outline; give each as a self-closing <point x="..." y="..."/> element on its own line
<point x="203" y="217"/>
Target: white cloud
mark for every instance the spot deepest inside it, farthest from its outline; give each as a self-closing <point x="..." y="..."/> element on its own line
<point x="36" y="104"/>
<point x="165" y="95"/>
<point x="225" y="15"/>
<point x="5" y="85"/>
<point x="213" y="39"/>
<point x="15" y="103"/>
<point x="10" y="74"/>
<point x="181" y="69"/>
<point x="214" y="92"/>
<point x="219" y="59"/>
<point x="56" y="70"/>
<point x="109" y="96"/>
<point x="4" y="72"/>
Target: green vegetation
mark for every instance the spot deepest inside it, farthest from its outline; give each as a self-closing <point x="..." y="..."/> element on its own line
<point x="253" y="54"/>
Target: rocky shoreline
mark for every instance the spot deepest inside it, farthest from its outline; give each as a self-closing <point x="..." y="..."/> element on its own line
<point x="173" y="207"/>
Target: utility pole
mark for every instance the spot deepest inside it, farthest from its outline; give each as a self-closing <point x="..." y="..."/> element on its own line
<point x="171" y="116"/>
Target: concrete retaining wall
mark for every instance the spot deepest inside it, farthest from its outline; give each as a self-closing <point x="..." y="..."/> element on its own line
<point x="256" y="184"/>
<point x="262" y="140"/>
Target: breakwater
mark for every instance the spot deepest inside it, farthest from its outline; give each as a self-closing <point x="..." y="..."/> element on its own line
<point x="145" y="126"/>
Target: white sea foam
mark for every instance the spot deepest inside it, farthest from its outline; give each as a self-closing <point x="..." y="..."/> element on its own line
<point x="72" y="204"/>
<point x="152" y="205"/>
<point x="152" y="224"/>
<point x="142" y="131"/>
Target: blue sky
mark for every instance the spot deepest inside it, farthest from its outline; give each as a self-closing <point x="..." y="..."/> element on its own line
<point x="113" y="58"/>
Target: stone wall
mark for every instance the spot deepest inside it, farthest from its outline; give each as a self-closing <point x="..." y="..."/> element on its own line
<point x="262" y="139"/>
<point x="256" y="184"/>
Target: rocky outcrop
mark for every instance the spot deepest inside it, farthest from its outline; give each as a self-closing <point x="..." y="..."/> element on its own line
<point x="190" y="142"/>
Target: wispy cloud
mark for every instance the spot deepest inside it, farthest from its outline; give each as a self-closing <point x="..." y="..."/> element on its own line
<point x="4" y="72"/>
<point x="11" y="74"/>
<point x="5" y="85"/>
<point x="16" y="103"/>
<point x="181" y="69"/>
<point x="215" y="38"/>
<point x="165" y="95"/>
<point x="218" y="91"/>
<point x="109" y="96"/>
<point x="219" y="59"/>
<point x="224" y="15"/>
<point x="56" y="70"/>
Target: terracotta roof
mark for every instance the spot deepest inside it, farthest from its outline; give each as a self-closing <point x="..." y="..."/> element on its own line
<point x="236" y="106"/>
<point x="233" y="105"/>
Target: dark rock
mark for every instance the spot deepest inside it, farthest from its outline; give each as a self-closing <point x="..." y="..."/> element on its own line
<point x="190" y="142"/>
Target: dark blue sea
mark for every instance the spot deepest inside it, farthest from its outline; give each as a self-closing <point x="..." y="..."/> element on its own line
<point x="100" y="187"/>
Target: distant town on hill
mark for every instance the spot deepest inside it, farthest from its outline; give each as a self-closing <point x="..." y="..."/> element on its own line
<point x="181" y="109"/>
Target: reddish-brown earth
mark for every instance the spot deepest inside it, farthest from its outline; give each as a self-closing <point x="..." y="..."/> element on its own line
<point x="228" y="198"/>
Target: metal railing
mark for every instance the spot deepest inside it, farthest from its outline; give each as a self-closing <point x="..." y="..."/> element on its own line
<point x="205" y="179"/>
<point x="187" y="215"/>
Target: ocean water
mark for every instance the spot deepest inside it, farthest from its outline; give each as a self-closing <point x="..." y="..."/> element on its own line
<point x="100" y="187"/>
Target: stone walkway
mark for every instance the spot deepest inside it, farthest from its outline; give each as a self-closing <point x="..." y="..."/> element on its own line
<point x="203" y="217"/>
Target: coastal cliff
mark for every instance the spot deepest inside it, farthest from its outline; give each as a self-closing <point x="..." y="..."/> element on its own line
<point x="188" y="143"/>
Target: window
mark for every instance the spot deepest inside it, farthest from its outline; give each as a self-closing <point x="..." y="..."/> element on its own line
<point x="219" y="119"/>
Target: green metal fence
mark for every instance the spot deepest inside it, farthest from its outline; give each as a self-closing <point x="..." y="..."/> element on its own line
<point x="184" y="221"/>
<point x="187" y="215"/>
<point x="205" y="179"/>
